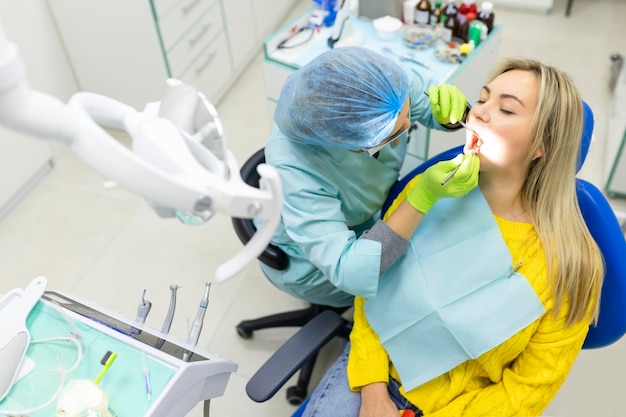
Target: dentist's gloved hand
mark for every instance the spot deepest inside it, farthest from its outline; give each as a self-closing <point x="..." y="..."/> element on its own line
<point x="428" y="189"/>
<point x="447" y="103"/>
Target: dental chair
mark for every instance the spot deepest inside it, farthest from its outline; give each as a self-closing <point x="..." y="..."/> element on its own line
<point x="275" y="258"/>
<point x="601" y="221"/>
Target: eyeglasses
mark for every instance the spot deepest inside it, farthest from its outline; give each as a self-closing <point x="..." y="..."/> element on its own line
<point x="375" y="149"/>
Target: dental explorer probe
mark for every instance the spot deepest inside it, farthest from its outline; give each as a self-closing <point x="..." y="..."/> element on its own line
<point x="167" y="323"/>
<point x="196" y="326"/>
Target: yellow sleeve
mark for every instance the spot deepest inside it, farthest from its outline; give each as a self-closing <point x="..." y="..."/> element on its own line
<point x="401" y="196"/>
<point x="532" y="380"/>
<point x="368" y="361"/>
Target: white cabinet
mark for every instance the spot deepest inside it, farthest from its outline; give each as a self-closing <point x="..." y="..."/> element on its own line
<point x="248" y="22"/>
<point x="537" y="6"/>
<point x="126" y="49"/>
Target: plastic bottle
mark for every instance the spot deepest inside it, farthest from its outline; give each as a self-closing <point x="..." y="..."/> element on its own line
<point x="486" y="14"/>
<point x="435" y="15"/>
<point x="467" y="6"/>
<point x="422" y="12"/>
<point x="477" y="32"/>
<point x="331" y="10"/>
<point x="408" y="11"/>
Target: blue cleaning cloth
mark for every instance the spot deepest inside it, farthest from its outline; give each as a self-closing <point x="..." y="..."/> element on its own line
<point x="451" y="297"/>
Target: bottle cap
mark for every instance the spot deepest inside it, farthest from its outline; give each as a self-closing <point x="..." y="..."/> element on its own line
<point x="486" y="6"/>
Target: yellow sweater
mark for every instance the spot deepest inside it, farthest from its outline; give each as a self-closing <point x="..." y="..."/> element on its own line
<point x="518" y="378"/>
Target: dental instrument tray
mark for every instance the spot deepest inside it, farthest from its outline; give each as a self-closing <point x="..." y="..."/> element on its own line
<point x="419" y="36"/>
<point x="176" y="386"/>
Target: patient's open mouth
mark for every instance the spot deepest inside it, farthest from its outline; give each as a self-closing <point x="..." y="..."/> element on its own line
<point x="476" y="143"/>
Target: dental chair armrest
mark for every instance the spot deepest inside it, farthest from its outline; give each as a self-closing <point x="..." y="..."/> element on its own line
<point x="287" y="360"/>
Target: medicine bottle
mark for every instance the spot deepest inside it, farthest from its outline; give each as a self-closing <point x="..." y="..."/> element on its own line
<point x="422" y="12"/>
<point x="477" y="32"/>
<point x="450" y="28"/>
<point x="467" y="6"/>
<point x="449" y="9"/>
<point x="486" y="14"/>
<point x="464" y="29"/>
<point x="435" y="15"/>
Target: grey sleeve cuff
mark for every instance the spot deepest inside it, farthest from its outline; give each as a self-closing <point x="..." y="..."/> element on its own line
<point x="392" y="244"/>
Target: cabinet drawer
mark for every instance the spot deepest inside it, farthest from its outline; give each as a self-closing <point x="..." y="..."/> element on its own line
<point x="195" y="40"/>
<point x="161" y="7"/>
<point x="210" y="71"/>
<point x="182" y="17"/>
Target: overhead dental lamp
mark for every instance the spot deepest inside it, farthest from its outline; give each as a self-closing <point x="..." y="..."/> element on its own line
<point x="178" y="160"/>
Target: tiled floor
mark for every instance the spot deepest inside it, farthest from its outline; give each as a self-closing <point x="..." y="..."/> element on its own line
<point x="107" y="245"/>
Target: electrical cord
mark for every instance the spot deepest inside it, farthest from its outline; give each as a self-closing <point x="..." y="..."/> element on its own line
<point x="284" y="44"/>
<point x="75" y="338"/>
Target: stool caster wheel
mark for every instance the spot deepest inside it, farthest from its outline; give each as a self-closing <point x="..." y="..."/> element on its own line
<point x="244" y="333"/>
<point x="296" y="395"/>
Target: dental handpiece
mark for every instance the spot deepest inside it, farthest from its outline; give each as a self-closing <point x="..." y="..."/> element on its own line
<point x="142" y="312"/>
<point x="196" y="326"/>
<point x="167" y="323"/>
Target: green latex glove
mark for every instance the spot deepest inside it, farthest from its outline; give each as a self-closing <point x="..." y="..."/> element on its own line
<point x="447" y="103"/>
<point x="428" y="189"/>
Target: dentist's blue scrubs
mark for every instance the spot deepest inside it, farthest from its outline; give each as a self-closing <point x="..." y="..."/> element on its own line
<point x="331" y="196"/>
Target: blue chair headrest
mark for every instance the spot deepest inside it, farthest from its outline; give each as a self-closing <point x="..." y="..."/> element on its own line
<point x="588" y="124"/>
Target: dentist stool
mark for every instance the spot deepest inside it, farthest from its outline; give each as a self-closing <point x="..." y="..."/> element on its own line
<point x="274" y="257"/>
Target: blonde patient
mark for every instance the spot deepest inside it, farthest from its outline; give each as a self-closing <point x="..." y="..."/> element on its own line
<point x="525" y="130"/>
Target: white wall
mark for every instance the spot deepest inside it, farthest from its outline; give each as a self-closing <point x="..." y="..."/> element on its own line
<point x="28" y="24"/>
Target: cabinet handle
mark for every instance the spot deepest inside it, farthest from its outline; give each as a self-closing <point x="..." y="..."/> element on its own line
<point x="206" y="63"/>
<point x="205" y="28"/>
<point x="189" y="6"/>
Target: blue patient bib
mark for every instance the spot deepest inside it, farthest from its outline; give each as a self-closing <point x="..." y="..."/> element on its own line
<point x="452" y="296"/>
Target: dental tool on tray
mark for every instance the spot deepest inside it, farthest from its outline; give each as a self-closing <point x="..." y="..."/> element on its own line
<point x="167" y="323"/>
<point x="196" y="326"/>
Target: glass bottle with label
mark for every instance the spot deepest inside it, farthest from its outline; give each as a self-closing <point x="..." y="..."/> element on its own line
<point x="450" y="27"/>
<point x="435" y="15"/>
<point x="449" y="9"/>
<point x="466" y="7"/>
<point x="422" y="12"/>
<point x="486" y="14"/>
<point x="464" y="29"/>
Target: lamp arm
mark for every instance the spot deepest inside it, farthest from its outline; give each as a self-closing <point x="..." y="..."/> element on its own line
<point x="178" y="162"/>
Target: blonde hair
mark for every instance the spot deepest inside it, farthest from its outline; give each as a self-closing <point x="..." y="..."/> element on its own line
<point x="549" y="192"/>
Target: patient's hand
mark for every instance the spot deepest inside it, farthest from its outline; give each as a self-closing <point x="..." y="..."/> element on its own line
<point x="375" y="401"/>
